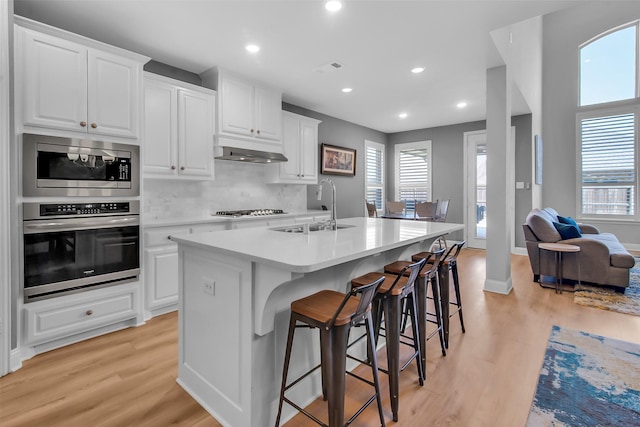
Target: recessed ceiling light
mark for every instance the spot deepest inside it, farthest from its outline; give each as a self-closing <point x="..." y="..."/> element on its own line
<point x="417" y="70"/>
<point x="347" y="89"/>
<point x="403" y="115"/>
<point x="461" y="104"/>
<point x="333" y="5"/>
<point x="252" y="48"/>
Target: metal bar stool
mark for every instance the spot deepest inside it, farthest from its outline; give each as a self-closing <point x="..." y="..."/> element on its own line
<point x="334" y="313"/>
<point x="427" y="275"/>
<point x="388" y="300"/>
<point x="451" y="264"/>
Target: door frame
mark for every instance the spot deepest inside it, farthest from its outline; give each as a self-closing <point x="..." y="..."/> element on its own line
<point x="510" y="173"/>
<point x="5" y="189"/>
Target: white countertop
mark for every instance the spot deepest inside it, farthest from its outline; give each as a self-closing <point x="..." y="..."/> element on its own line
<point x="303" y="253"/>
<point x="150" y="220"/>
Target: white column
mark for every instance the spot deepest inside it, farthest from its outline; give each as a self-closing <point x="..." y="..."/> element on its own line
<point x="5" y="196"/>
<point x="498" y="278"/>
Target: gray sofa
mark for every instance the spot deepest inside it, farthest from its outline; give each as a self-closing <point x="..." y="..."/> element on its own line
<point x="603" y="260"/>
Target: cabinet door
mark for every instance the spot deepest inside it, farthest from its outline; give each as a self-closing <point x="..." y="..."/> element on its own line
<point x="113" y="92"/>
<point x="309" y="152"/>
<point x="237" y="107"/>
<point x="161" y="276"/>
<point x="195" y="140"/>
<point x="290" y="170"/>
<point x="54" y="81"/>
<point x="160" y="150"/>
<point x="268" y="111"/>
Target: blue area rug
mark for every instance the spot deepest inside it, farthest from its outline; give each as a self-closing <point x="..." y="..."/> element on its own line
<point x="587" y="380"/>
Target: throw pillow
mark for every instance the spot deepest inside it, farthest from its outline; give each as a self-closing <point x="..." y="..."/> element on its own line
<point x="567" y="231"/>
<point x="570" y="221"/>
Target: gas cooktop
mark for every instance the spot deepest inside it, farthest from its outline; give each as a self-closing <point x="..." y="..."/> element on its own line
<point x="251" y="212"/>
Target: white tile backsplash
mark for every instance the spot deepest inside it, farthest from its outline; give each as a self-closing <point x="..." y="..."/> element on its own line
<point x="236" y="186"/>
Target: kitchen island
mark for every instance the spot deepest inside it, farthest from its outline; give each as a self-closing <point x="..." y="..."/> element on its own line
<point x="236" y="287"/>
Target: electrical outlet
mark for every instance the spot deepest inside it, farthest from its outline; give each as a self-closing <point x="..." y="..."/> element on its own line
<point x="209" y="287"/>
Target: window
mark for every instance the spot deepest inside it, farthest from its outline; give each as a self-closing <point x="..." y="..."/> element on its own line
<point x="413" y="172"/>
<point x="608" y="67"/>
<point x="607" y="125"/>
<point x="374" y="167"/>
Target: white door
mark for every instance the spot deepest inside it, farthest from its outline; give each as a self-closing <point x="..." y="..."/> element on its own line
<point x="160" y="152"/>
<point x="291" y="147"/>
<point x="113" y="92"/>
<point x="195" y="133"/>
<point x="309" y="146"/>
<point x="268" y="114"/>
<point x="237" y="107"/>
<point x="476" y="188"/>
<point x="54" y="81"/>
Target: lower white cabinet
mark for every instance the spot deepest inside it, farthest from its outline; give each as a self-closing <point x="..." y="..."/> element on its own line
<point x="58" y="318"/>
<point x="161" y="264"/>
<point x="161" y="267"/>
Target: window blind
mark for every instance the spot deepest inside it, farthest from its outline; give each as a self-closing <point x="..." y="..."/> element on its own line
<point x="413" y="175"/>
<point x="608" y="170"/>
<point x="374" y="165"/>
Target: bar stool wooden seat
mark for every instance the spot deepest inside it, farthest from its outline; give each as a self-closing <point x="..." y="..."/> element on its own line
<point x="451" y="262"/>
<point x="334" y="313"/>
<point x="388" y="301"/>
<point x="428" y="275"/>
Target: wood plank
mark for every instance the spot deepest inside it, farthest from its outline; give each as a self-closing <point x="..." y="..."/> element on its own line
<point x="488" y="377"/>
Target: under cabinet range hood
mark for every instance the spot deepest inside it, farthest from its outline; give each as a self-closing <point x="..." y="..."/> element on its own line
<point x="250" y="156"/>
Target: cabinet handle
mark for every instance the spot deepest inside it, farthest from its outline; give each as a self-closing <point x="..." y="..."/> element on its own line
<point x="83" y="124"/>
<point x="89" y="312"/>
<point x="258" y="132"/>
<point x="173" y="167"/>
<point x="251" y="130"/>
<point x="94" y="125"/>
<point x="181" y="168"/>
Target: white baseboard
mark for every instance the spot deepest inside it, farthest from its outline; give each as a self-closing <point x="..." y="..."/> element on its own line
<point x="631" y="246"/>
<point x="517" y="250"/>
<point x="15" y="360"/>
<point x="498" y="286"/>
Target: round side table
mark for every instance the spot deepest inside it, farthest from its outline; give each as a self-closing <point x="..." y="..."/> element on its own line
<point x="559" y="249"/>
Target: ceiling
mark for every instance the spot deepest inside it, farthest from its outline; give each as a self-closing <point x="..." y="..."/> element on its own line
<point x="377" y="43"/>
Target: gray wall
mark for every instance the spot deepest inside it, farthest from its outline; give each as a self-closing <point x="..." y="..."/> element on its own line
<point x="563" y="32"/>
<point x="349" y="190"/>
<point x="448" y="160"/>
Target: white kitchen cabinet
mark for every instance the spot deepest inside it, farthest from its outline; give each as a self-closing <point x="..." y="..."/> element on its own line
<point x="161" y="268"/>
<point x="248" y="110"/>
<point x="59" y="318"/>
<point x="300" y="147"/>
<point x="161" y="264"/>
<point x="67" y="85"/>
<point x="179" y="129"/>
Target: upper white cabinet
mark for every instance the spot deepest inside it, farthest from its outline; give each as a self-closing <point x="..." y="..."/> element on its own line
<point x="300" y="147"/>
<point x="249" y="114"/>
<point x="68" y="85"/>
<point x="179" y="129"/>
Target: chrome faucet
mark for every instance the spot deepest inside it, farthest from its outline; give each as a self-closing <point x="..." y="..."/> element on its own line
<point x="332" y="222"/>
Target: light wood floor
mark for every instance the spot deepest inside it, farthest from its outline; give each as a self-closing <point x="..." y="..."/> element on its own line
<point x="488" y="378"/>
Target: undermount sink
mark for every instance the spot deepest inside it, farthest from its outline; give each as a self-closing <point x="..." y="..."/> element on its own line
<point x="318" y="226"/>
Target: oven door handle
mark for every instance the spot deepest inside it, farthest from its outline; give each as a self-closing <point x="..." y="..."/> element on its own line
<point x="74" y="224"/>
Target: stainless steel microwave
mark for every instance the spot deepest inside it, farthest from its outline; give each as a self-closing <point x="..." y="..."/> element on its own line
<point x="54" y="166"/>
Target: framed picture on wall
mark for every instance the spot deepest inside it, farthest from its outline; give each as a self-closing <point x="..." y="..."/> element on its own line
<point x="538" y="142"/>
<point x="337" y="160"/>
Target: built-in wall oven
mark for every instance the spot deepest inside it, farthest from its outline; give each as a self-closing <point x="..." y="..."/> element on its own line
<point x="55" y="166"/>
<point x="74" y="246"/>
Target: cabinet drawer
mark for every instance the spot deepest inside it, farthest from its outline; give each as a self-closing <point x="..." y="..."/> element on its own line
<point x="65" y="316"/>
<point x="160" y="236"/>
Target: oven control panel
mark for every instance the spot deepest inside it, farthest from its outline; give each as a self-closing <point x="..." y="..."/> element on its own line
<point x="57" y="209"/>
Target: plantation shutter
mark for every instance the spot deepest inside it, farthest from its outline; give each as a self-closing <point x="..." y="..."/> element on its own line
<point x="414" y="175"/>
<point x="375" y="174"/>
<point x="608" y="164"/>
